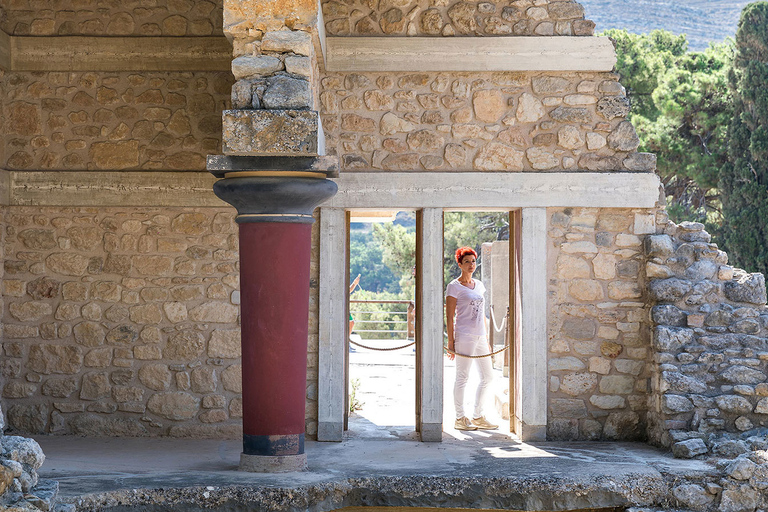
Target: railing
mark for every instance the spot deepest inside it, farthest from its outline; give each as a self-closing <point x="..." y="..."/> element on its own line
<point x="377" y="320"/>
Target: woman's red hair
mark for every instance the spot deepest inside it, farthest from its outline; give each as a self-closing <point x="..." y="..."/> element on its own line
<point x="461" y="252"/>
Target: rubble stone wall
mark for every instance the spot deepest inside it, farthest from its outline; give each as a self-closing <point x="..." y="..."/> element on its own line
<point x="121" y="321"/>
<point x="112" y="18"/>
<point x="599" y="346"/>
<point x="125" y="322"/>
<point x="113" y="121"/>
<point x="710" y="340"/>
<point x="504" y="122"/>
<point x="447" y="18"/>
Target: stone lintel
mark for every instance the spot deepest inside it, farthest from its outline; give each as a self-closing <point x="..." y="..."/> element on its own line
<point x="104" y="188"/>
<point x="220" y="165"/>
<point x="502" y="190"/>
<point x="5" y="51"/>
<point x="272" y="133"/>
<point x="80" y="53"/>
<point x="546" y="53"/>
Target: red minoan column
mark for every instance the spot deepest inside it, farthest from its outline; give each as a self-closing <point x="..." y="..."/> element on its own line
<point x="275" y="217"/>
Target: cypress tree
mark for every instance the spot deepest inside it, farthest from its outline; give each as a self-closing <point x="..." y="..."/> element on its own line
<point x="744" y="179"/>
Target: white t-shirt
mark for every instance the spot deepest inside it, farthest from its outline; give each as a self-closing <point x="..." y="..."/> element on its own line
<point x="470" y="307"/>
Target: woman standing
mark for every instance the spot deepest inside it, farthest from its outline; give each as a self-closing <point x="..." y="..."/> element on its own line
<point x="465" y="305"/>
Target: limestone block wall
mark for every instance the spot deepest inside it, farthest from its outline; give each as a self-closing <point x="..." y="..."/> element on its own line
<point x="598" y="327"/>
<point x="113" y="121"/>
<point x="448" y="18"/>
<point x="480" y="121"/>
<point x="125" y="18"/>
<point x="710" y="340"/>
<point x="121" y="321"/>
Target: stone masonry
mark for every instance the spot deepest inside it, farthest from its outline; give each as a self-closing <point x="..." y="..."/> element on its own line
<point x="121" y="322"/>
<point x="126" y="18"/>
<point x="483" y="121"/>
<point x="446" y="18"/>
<point x="115" y="121"/>
<point x="710" y="341"/>
<point x="598" y="342"/>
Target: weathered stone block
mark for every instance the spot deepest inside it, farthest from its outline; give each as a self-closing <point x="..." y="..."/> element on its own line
<point x="216" y="312"/>
<point x="748" y="288"/>
<point x="733" y="404"/>
<point x="576" y="384"/>
<point x="174" y="406"/>
<point x="248" y="66"/>
<point x="271" y="132"/>
<point x="184" y="345"/>
<point x="675" y="404"/>
<point x="738" y="499"/>
<point x="94" y="386"/>
<point x="567" y="408"/>
<point x="47" y="359"/>
<point x="669" y="290"/>
<point x="566" y="363"/>
<point x="284" y="41"/>
<point x="231" y="378"/>
<point x="224" y="344"/>
<point x="287" y="93"/>
<point x="613" y="106"/>
<point x="617" y="385"/>
<point x="739" y="374"/>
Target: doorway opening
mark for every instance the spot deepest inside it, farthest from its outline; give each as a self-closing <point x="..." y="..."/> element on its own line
<point x="381" y="352"/>
<point x="495" y="236"/>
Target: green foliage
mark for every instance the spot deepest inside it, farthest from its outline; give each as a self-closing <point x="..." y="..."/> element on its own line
<point x="366" y="259"/>
<point x="387" y="318"/>
<point x="642" y="60"/>
<point x="744" y="179"/>
<point x="681" y="106"/>
<point x="470" y="229"/>
<point x="399" y="252"/>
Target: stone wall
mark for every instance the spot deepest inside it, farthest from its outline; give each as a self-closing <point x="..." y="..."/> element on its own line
<point x="112" y="18"/>
<point x="480" y="121"/>
<point x="447" y="18"/>
<point x="113" y="121"/>
<point x="598" y="323"/>
<point x="121" y="321"/>
<point x="710" y="338"/>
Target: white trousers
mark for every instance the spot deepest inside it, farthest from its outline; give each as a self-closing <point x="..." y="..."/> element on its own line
<point x="471" y="345"/>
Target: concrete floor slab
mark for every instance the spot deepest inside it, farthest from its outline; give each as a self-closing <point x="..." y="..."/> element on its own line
<point x="379" y="463"/>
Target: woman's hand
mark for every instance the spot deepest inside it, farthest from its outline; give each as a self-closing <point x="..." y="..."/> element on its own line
<point x="451" y="346"/>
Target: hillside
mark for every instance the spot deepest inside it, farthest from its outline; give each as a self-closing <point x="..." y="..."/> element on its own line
<point x="704" y="21"/>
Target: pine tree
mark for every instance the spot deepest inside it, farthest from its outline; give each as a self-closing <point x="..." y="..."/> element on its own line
<point x="744" y="179"/>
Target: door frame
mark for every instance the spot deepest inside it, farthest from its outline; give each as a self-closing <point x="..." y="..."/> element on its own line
<point x="431" y="192"/>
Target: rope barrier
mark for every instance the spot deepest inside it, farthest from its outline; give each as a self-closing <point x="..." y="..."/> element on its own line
<point x="503" y="320"/>
<point x="381" y="349"/>
<point x="476" y="357"/>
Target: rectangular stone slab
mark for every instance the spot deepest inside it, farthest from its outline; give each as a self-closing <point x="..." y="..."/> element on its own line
<point x="272" y="133"/>
<point x="119" y="54"/>
<point x="62" y="188"/>
<point x="5" y="51"/>
<point x="561" y="53"/>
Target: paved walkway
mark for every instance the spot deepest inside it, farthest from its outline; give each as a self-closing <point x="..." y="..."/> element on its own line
<point x="490" y="469"/>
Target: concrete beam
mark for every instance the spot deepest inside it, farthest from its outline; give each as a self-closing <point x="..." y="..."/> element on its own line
<point x="5" y="51"/>
<point x="332" y="326"/>
<point x="430" y="307"/>
<point x="533" y="346"/>
<point x="502" y="190"/>
<point x="118" y="53"/>
<point x="60" y="188"/>
<point x="562" y="53"/>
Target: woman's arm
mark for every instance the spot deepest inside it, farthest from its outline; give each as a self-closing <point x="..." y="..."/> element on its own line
<point x="450" y="313"/>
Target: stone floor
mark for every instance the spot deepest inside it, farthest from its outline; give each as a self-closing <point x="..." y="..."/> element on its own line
<point x="379" y="464"/>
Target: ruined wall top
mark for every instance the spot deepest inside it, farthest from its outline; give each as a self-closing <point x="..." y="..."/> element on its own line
<point x="455" y="18"/>
<point x="127" y="18"/>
